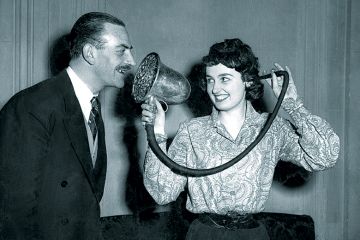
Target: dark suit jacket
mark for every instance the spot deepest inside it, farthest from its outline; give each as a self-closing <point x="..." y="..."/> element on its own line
<point x="48" y="187"/>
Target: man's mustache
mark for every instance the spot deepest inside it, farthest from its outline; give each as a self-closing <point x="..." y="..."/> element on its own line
<point x="124" y="68"/>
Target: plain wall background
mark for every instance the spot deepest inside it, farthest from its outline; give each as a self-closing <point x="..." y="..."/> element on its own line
<point x="318" y="40"/>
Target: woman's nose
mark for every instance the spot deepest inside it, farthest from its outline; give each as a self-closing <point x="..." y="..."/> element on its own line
<point x="216" y="87"/>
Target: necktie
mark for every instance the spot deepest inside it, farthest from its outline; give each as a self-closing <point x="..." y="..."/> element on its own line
<point x="97" y="129"/>
<point x="94" y="118"/>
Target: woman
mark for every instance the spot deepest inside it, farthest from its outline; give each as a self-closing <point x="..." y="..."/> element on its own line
<point x="226" y="200"/>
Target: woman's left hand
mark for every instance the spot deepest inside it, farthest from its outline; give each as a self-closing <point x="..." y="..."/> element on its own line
<point x="276" y="83"/>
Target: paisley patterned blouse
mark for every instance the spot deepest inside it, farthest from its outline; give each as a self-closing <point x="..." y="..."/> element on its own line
<point x="243" y="188"/>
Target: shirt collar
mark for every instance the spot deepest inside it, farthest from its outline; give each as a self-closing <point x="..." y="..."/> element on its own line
<point x="82" y="92"/>
<point x="252" y="117"/>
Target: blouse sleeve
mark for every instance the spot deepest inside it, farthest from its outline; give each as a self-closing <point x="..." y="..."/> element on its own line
<point x="163" y="184"/>
<point x="314" y="145"/>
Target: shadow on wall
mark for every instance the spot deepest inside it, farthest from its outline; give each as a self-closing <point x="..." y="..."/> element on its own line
<point x="59" y="55"/>
<point x="198" y="102"/>
<point x="138" y="199"/>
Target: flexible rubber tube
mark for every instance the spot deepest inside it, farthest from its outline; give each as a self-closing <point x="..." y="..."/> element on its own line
<point x="191" y="172"/>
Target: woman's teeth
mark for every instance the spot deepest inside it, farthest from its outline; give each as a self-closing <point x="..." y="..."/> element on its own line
<point x="221" y="97"/>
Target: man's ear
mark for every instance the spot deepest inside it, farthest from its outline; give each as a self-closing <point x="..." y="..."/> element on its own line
<point x="88" y="53"/>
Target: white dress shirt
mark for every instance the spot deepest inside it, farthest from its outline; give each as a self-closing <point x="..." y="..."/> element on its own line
<point x="84" y="96"/>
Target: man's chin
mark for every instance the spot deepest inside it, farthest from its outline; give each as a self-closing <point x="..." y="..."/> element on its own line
<point x="118" y="83"/>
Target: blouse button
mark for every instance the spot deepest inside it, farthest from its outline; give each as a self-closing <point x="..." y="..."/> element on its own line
<point x="64" y="221"/>
<point x="64" y="183"/>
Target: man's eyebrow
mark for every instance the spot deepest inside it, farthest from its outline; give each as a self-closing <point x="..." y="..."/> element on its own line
<point x="124" y="46"/>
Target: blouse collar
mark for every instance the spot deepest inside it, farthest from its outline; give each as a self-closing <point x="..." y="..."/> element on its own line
<point x="252" y="119"/>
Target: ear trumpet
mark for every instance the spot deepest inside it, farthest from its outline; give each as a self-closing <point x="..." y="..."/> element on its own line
<point x="167" y="85"/>
<point x="156" y="79"/>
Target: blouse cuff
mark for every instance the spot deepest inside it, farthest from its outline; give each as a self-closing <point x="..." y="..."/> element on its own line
<point x="160" y="138"/>
<point x="290" y="105"/>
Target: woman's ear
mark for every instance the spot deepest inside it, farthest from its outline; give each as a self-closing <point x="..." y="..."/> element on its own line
<point x="248" y="84"/>
<point x="88" y="53"/>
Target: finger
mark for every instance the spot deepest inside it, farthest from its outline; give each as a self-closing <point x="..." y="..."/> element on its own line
<point x="145" y="106"/>
<point x="290" y="75"/>
<point x="151" y="102"/>
<point x="276" y="83"/>
<point x="146" y="113"/>
<point x="274" y="79"/>
<point x="148" y="107"/>
<point x="278" y="66"/>
<point x="148" y="99"/>
<point x="269" y="81"/>
<point x="278" y="77"/>
<point x="146" y="120"/>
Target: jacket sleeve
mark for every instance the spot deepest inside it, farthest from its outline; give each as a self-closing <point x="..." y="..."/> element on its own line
<point x="314" y="145"/>
<point x="23" y="144"/>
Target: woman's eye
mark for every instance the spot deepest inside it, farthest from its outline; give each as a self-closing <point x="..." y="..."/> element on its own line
<point x="225" y="79"/>
<point x="209" y="80"/>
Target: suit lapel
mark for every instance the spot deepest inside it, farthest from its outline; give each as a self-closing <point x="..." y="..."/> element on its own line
<point x="75" y="128"/>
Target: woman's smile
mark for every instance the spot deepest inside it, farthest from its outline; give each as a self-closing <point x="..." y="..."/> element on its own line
<point x="221" y="97"/>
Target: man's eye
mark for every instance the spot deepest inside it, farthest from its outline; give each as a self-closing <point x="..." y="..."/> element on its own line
<point x="120" y="52"/>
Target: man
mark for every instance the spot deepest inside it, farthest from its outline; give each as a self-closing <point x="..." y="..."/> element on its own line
<point x="52" y="143"/>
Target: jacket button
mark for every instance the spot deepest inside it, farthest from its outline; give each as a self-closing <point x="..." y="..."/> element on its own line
<point x="64" y="221"/>
<point x="64" y="183"/>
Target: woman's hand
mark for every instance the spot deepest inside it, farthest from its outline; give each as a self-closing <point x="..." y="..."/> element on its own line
<point x="276" y="83"/>
<point x="153" y="113"/>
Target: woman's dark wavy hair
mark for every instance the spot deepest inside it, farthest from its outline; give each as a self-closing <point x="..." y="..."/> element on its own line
<point x="88" y="29"/>
<point x="233" y="53"/>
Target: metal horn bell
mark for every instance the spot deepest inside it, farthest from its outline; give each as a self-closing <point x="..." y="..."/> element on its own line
<point x="155" y="78"/>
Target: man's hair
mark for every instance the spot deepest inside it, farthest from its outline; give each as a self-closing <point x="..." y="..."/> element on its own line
<point x="88" y="29"/>
<point x="233" y="53"/>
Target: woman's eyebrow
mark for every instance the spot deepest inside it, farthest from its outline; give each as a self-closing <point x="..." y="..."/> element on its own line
<point x="225" y="74"/>
<point x="221" y="75"/>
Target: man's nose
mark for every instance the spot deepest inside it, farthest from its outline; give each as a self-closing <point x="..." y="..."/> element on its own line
<point x="130" y="59"/>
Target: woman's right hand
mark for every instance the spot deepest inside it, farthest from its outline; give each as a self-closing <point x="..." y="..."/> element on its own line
<point x="153" y="113"/>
